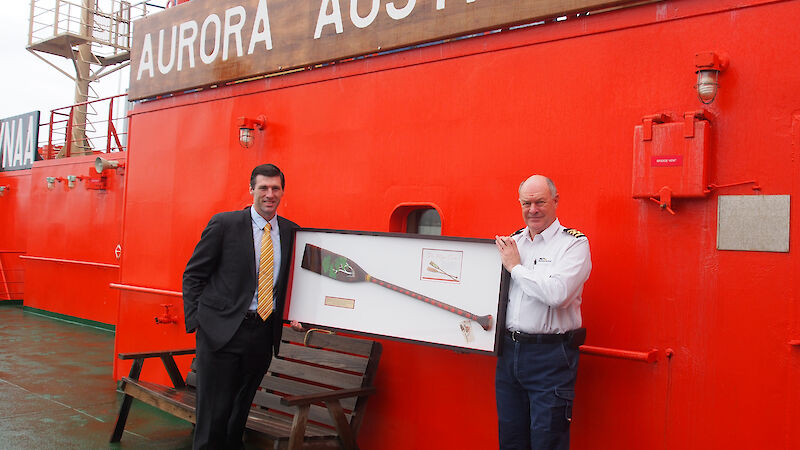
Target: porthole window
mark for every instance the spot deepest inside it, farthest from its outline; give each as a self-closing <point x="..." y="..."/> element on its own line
<point x="424" y="221"/>
<point x="416" y="218"/>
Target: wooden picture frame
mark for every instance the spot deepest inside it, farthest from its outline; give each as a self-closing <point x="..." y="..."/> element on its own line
<point x="433" y="290"/>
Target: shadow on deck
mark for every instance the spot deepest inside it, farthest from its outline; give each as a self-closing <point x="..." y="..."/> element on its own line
<point x="57" y="390"/>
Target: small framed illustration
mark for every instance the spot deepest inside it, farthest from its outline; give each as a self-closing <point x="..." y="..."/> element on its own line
<point x="437" y="290"/>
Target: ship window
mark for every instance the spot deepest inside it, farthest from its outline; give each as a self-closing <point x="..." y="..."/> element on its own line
<point x="424" y="221"/>
<point x="416" y="218"/>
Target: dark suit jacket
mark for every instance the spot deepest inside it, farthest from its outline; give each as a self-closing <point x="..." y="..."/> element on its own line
<point x="220" y="277"/>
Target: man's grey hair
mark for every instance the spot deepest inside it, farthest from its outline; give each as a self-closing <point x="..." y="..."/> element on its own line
<point x="550" y="185"/>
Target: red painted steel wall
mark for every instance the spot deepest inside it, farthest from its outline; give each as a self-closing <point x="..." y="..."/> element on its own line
<point x="459" y="125"/>
<point x="14" y="209"/>
<point x="79" y="225"/>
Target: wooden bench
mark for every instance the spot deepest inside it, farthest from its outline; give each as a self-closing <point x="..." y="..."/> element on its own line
<point x="313" y="396"/>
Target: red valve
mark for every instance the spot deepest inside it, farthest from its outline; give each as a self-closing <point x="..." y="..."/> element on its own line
<point x="166" y="317"/>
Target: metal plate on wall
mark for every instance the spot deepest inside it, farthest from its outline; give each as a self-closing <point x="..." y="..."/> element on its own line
<point x="753" y="223"/>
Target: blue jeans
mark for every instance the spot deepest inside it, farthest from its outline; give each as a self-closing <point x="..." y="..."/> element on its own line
<point x="535" y="387"/>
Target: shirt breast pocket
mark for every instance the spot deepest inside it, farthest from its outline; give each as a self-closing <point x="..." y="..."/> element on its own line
<point x="543" y="265"/>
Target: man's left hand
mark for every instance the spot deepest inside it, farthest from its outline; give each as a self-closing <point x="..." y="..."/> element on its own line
<point x="509" y="253"/>
<point x="297" y="326"/>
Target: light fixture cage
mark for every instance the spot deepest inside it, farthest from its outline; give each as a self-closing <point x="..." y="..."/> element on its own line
<point x="708" y="65"/>
<point x="247" y="129"/>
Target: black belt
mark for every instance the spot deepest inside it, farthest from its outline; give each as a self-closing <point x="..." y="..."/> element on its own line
<point x="518" y="336"/>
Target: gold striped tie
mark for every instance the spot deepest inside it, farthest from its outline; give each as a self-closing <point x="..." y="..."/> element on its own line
<point x="265" y="272"/>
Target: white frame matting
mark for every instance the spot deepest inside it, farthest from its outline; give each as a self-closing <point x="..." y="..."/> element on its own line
<point x="461" y="272"/>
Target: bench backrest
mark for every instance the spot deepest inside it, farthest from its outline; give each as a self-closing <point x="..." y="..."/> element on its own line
<point x="315" y="362"/>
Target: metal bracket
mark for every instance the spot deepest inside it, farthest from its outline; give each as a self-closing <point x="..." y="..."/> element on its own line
<point x="647" y="124"/>
<point x="689" y="119"/>
<point x="664" y="199"/>
<point x="712" y="186"/>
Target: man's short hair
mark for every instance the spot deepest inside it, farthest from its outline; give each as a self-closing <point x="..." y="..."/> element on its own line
<point x="550" y="185"/>
<point x="267" y="170"/>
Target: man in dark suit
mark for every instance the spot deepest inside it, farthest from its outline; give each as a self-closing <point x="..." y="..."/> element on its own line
<point x="233" y="297"/>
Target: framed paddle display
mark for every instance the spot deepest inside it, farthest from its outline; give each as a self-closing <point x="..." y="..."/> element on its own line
<point x="436" y="290"/>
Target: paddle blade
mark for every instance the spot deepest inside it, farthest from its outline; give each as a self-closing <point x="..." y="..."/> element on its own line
<point x="331" y="265"/>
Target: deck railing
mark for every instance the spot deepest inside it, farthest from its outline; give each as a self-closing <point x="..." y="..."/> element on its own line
<point x="12" y="280"/>
<point x="106" y="129"/>
<point x="108" y="22"/>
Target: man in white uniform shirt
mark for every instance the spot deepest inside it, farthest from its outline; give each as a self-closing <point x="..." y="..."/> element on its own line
<point x="536" y="371"/>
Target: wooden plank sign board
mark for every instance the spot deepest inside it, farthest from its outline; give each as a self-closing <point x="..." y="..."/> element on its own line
<point x="206" y="42"/>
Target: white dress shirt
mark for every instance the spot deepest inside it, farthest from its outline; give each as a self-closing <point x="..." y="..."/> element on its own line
<point x="259" y="223"/>
<point x="546" y="287"/>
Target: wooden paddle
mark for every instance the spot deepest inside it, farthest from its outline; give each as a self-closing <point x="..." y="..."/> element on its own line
<point x="341" y="268"/>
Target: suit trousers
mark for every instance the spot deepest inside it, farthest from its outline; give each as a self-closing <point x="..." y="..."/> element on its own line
<point x="227" y="380"/>
<point x="535" y="387"/>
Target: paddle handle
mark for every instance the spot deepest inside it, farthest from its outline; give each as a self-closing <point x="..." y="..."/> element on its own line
<point x="483" y="321"/>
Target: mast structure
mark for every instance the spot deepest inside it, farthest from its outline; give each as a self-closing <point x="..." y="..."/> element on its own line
<point x="96" y="36"/>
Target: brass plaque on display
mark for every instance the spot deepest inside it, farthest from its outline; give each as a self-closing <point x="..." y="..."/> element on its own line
<point x="206" y="42"/>
<point x="340" y="302"/>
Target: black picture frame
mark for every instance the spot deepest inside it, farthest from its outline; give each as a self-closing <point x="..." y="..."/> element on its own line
<point x="442" y="291"/>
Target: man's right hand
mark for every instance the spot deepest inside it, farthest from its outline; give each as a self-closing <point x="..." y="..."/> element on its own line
<point x="509" y="254"/>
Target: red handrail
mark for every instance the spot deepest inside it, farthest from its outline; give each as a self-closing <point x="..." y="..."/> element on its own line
<point x="68" y="133"/>
<point x="70" y="261"/>
<point x="3" y="278"/>
<point x="68" y="112"/>
<point x="649" y="356"/>
<point x="147" y="290"/>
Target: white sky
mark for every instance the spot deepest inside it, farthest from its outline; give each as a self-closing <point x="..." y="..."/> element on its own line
<point x="28" y="83"/>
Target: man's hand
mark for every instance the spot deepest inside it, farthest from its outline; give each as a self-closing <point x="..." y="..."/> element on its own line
<point x="509" y="253"/>
<point x="297" y="326"/>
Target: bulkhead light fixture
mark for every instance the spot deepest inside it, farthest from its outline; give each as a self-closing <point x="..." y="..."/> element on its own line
<point x="247" y="128"/>
<point x="708" y="65"/>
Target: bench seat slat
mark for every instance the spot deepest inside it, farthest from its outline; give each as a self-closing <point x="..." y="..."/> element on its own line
<point x="272" y="401"/>
<point x="178" y="402"/>
<point x="279" y="426"/>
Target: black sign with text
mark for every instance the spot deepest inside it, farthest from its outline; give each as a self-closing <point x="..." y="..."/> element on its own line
<point x="19" y="137"/>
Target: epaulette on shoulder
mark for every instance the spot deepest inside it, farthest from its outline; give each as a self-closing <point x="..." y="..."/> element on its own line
<point x="518" y="231"/>
<point x="574" y="232"/>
